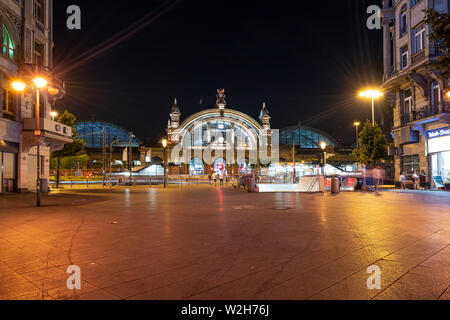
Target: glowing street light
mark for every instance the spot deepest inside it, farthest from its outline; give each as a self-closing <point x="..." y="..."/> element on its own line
<point x="323" y="146"/>
<point x="164" y="144"/>
<point x="371" y="94"/>
<point x="37" y="84"/>
<point x="19" y="86"/>
<point x="40" y="83"/>
<point x="53" y="114"/>
<point x="357" y="124"/>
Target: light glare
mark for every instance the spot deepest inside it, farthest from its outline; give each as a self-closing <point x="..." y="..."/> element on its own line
<point x="40" y="82"/>
<point x="19" y="86"/>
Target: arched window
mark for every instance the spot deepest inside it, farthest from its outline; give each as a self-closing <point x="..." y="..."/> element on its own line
<point x="403" y="20"/>
<point x="8" y="45"/>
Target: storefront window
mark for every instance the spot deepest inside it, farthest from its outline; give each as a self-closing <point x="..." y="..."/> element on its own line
<point x="8" y="173"/>
<point x="410" y="164"/>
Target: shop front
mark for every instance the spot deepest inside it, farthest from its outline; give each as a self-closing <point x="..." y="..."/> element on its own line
<point x="8" y="166"/>
<point x="439" y="151"/>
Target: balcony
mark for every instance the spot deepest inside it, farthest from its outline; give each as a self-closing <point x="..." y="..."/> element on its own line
<point x="52" y="132"/>
<point x="421" y="114"/>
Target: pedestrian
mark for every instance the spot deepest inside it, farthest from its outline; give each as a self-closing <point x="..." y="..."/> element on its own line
<point x="377" y="177"/>
<point x="423" y="179"/>
<point x="415" y="178"/>
<point x="403" y="180"/>
<point x="210" y="179"/>
<point x="221" y="177"/>
<point x="215" y="178"/>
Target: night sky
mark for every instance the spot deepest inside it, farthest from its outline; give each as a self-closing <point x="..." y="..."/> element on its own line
<point x="306" y="59"/>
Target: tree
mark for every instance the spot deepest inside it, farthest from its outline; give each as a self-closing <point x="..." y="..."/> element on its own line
<point x="440" y="24"/>
<point x="373" y="145"/>
<point x="72" y="152"/>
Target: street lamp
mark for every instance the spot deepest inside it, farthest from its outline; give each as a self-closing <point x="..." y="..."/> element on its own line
<point x="357" y="124"/>
<point x="164" y="144"/>
<point x="53" y="114"/>
<point x="37" y="84"/>
<point x="115" y="141"/>
<point x="323" y="146"/>
<point x="371" y="94"/>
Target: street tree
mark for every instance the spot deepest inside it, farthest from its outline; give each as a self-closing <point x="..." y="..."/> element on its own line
<point x="373" y="145"/>
<point x="72" y="152"/>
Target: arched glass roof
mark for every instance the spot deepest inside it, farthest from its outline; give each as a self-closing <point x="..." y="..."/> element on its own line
<point x="92" y="133"/>
<point x="305" y="137"/>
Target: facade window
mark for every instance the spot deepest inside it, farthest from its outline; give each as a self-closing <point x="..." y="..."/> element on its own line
<point x="8" y="45"/>
<point x="403" y="20"/>
<point x="410" y="164"/>
<point x="9" y="104"/>
<point x="39" y="10"/>
<point x="419" y="38"/>
<point x="404" y="57"/>
<point x="38" y="53"/>
<point x="407" y="105"/>
<point x="435" y="97"/>
<point x="414" y="2"/>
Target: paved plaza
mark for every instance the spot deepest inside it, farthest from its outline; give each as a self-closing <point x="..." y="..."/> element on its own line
<point x="209" y="243"/>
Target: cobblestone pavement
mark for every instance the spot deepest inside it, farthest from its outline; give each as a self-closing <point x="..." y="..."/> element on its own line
<point x="211" y="243"/>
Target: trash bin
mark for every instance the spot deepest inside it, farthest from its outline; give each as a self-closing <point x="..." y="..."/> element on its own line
<point x="251" y="185"/>
<point x="335" y="185"/>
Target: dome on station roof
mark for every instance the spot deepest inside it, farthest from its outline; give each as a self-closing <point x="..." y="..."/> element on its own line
<point x="305" y="137"/>
<point x="92" y="133"/>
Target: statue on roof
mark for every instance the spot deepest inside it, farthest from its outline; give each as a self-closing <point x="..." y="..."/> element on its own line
<point x="221" y="102"/>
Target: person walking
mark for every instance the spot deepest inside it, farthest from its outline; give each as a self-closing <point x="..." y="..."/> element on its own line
<point x="377" y="177"/>
<point x="403" y="180"/>
<point x="415" y="178"/>
<point x="221" y="177"/>
<point x="210" y="179"/>
<point x="423" y="179"/>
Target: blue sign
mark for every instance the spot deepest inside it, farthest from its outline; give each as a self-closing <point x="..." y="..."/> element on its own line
<point x="438" y="133"/>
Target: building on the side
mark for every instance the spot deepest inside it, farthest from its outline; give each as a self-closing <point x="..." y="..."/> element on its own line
<point x="419" y="94"/>
<point x="100" y="134"/>
<point x="26" y="45"/>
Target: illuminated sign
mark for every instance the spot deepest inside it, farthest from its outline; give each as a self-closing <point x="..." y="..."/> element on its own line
<point x="438" y="133"/>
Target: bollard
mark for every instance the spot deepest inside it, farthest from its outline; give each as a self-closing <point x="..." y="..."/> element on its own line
<point x="335" y="185"/>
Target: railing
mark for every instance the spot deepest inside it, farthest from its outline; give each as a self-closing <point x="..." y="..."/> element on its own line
<point x="420" y="114"/>
<point x="417" y="57"/>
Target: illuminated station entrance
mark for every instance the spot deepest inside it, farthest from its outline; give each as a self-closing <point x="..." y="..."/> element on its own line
<point x="218" y="140"/>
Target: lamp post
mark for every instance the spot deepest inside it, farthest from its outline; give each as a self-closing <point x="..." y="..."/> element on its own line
<point x="323" y="146"/>
<point x="115" y="141"/>
<point x="37" y="84"/>
<point x="371" y="94"/>
<point x="164" y="144"/>
<point x="357" y="124"/>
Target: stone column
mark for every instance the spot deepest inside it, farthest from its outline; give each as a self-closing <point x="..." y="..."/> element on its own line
<point x="1" y="95"/>
<point x="387" y="46"/>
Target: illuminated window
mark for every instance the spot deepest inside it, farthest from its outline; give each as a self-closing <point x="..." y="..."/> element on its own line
<point x="8" y="45"/>
<point x="403" y="20"/>
<point x="407" y="105"/>
<point x="435" y="96"/>
<point x="39" y="10"/>
<point x="404" y="57"/>
<point x="419" y="38"/>
<point x="38" y="53"/>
